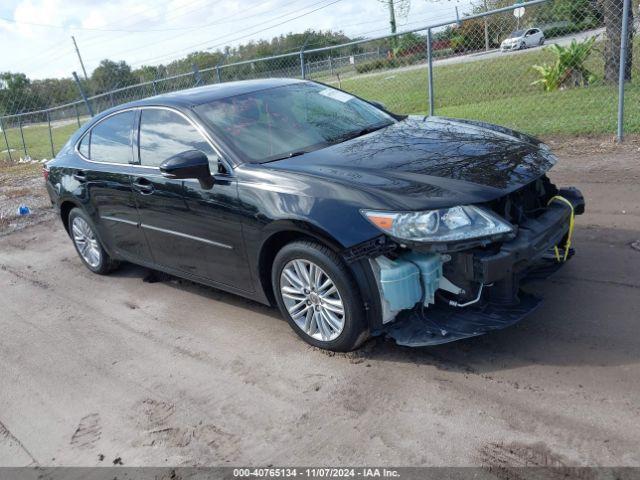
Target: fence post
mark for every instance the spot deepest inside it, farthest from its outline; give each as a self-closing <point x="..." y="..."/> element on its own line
<point x="75" y="106"/>
<point x="53" y="153"/>
<point x="4" y="132"/>
<point x="302" y="64"/>
<point x="218" y="74"/>
<point x="24" y="145"/>
<point x="196" y="75"/>
<point x="623" y="64"/>
<point x="430" y="68"/>
<point x="155" y="90"/>
<point x="82" y="94"/>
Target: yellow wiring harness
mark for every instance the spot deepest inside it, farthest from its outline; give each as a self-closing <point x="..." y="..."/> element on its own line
<point x="569" y="233"/>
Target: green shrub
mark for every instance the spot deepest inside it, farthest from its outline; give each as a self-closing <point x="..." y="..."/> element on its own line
<point x="568" y="70"/>
<point x="587" y="24"/>
<point x="387" y="63"/>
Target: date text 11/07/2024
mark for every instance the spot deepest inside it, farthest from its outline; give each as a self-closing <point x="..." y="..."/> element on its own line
<point x="274" y="472"/>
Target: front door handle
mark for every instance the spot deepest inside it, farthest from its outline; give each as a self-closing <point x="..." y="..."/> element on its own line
<point x="80" y="175"/>
<point x="143" y="186"/>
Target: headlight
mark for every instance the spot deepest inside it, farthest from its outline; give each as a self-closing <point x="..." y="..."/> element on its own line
<point x="442" y="225"/>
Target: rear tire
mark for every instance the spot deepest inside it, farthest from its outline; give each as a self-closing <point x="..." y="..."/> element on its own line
<point x="318" y="296"/>
<point x="88" y="245"/>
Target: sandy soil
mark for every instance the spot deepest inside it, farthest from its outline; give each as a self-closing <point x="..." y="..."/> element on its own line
<point x="95" y="369"/>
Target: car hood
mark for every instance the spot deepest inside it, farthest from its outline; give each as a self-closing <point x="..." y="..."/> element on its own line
<point x="429" y="162"/>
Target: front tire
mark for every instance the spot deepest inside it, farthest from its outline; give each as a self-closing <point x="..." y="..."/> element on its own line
<point x="318" y="296"/>
<point x="87" y="243"/>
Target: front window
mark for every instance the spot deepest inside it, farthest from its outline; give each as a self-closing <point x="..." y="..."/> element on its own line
<point x="516" y="34"/>
<point x="285" y="121"/>
<point x="164" y="133"/>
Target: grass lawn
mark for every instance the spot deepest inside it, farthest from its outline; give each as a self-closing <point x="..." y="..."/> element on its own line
<point x="36" y="138"/>
<point x="499" y="90"/>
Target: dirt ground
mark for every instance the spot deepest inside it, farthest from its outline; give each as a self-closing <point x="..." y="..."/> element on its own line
<point x="96" y="370"/>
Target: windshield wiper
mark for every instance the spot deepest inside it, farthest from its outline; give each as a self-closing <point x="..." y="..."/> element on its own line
<point x="288" y="155"/>
<point x="361" y="132"/>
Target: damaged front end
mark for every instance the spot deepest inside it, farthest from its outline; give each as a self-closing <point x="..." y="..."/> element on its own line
<point x="437" y="293"/>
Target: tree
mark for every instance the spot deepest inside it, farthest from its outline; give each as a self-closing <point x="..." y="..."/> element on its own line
<point x="110" y="75"/>
<point x="15" y="93"/>
<point x="612" y="10"/>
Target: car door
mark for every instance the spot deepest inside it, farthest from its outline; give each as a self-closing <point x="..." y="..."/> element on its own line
<point x="190" y="229"/>
<point x="107" y="149"/>
<point x="530" y="38"/>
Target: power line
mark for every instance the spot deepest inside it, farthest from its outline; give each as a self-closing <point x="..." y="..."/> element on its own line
<point x="154" y="8"/>
<point x="125" y="30"/>
<point x="238" y="38"/>
<point x="92" y="40"/>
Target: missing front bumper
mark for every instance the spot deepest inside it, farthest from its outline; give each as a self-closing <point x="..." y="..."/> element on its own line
<point x="442" y="324"/>
<point x="525" y="257"/>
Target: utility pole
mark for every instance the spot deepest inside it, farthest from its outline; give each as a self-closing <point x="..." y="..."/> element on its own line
<point x="84" y="70"/>
<point x="486" y="27"/>
<point x="392" y="16"/>
<point x="392" y="22"/>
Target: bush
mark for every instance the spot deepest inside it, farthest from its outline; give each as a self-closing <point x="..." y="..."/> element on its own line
<point x="387" y="63"/>
<point x="587" y="24"/>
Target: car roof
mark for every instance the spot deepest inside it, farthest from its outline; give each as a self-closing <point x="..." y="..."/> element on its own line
<point x="209" y="93"/>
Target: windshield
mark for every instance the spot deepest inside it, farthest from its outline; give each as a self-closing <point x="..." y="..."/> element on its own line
<point x="285" y="121"/>
<point x="516" y="34"/>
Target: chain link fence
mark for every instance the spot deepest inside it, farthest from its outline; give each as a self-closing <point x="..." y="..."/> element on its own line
<point x="545" y="67"/>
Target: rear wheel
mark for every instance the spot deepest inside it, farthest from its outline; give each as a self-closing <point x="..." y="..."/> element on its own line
<point x="318" y="297"/>
<point x="541" y="42"/>
<point x="87" y="244"/>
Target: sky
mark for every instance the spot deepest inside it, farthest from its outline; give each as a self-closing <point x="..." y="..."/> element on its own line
<point x="35" y="35"/>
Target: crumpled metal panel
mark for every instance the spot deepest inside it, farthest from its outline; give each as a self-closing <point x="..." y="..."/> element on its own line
<point x="442" y="324"/>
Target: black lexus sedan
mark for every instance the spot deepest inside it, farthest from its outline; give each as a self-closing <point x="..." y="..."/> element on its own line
<point x="353" y="220"/>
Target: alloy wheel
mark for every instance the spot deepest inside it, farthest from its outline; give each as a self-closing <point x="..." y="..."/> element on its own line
<point x="86" y="242"/>
<point x="312" y="300"/>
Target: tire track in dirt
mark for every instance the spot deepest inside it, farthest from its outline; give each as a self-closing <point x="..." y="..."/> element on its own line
<point x="88" y="432"/>
<point x="5" y="434"/>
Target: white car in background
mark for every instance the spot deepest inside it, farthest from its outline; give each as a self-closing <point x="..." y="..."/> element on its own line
<point x="520" y="39"/>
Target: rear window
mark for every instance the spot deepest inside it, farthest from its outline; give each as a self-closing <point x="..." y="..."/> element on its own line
<point x="110" y="140"/>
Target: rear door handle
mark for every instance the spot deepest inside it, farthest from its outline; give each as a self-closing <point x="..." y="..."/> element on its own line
<point x="80" y="175"/>
<point x="143" y="186"/>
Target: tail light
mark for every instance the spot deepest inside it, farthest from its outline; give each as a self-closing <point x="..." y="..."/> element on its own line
<point x="45" y="172"/>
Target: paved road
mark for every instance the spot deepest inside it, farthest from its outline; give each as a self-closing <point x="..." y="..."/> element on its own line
<point x="173" y="373"/>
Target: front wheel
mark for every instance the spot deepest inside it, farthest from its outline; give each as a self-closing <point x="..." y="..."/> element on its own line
<point x="317" y="295"/>
<point x="87" y="244"/>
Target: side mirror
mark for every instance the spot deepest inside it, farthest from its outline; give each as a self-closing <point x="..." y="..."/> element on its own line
<point x="379" y="105"/>
<point x="192" y="164"/>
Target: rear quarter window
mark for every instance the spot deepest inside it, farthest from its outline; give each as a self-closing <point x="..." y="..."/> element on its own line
<point x="110" y="140"/>
<point x="83" y="146"/>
